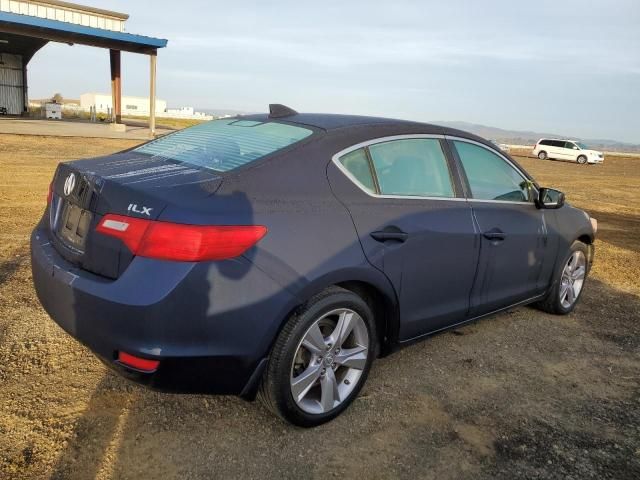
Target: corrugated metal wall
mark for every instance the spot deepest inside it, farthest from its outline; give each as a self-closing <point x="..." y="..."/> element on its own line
<point x="11" y="86"/>
<point x="64" y="13"/>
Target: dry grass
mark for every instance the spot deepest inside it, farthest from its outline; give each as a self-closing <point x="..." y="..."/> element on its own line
<point x="521" y="395"/>
<point x="163" y="122"/>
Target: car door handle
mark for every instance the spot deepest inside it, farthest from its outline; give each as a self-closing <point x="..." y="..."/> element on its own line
<point x="387" y="235"/>
<point x="494" y="234"/>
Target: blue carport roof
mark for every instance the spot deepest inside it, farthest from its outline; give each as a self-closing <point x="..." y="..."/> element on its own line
<point x="56" y="31"/>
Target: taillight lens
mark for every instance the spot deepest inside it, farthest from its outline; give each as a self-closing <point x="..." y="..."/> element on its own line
<point x="181" y="242"/>
<point x="138" y="363"/>
<point x="50" y="194"/>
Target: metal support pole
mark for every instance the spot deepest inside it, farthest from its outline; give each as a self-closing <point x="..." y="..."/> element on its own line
<point x="25" y="89"/>
<point x="153" y="57"/>
<point x="116" y="85"/>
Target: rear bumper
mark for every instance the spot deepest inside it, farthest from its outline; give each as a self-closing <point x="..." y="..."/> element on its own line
<point x="210" y="324"/>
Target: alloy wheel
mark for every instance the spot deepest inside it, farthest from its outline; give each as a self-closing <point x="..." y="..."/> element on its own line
<point x="572" y="279"/>
<point x="329" y="361"/>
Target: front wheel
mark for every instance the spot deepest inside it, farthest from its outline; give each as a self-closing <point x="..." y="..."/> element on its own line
<point x="582" y="159"/>
<point x="568" y="281"/>
<point x="321" y="359"/>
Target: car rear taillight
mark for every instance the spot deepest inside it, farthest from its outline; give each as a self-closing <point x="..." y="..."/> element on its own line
<point x="181" y="242"/>
<point x="137" y="363"/>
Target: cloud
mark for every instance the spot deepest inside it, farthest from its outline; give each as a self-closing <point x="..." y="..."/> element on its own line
<point x="371" y="47"/>
<point x="514" y="64"/>
<point x="204" y="74"/>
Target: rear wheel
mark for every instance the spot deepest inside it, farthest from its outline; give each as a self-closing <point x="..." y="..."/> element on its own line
<point x="542" y="155"/>
<point x="582" y="159"/>
<point x="568" y="282"/>
<point x="321" y="359"/>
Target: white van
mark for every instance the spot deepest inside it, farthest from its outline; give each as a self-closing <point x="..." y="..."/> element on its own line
<point x="570" y="150"/>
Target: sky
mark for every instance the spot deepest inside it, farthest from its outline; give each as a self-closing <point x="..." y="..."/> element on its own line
<point x="564" y="66"/>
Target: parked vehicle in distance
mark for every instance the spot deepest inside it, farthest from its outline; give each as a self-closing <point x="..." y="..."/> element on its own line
<point x="278" y="255"/>
<point x="502" y="146"/>
<point x="570" y="150"/>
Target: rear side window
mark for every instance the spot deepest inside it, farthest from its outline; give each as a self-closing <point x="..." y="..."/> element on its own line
<point x="357" y="165"/>
<point x="412" y="167"/>
<point x="223" y="145"/>
<point x="545" y="142"/>
<point x="491" y="177"/>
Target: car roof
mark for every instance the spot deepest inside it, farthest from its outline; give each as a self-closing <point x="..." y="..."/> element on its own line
<point x="559" y="139"/>
<point x="333" y="121"/>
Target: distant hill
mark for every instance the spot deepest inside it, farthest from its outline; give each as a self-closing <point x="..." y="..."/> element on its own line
<point x="524" y="137"/>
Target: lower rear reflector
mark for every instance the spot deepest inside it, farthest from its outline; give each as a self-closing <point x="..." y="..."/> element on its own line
<point x="138" y="363"/>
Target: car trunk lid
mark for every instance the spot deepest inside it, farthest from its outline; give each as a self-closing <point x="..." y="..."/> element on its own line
<point x="128" y="183"/>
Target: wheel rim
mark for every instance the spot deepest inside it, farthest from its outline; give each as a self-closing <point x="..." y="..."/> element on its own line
<point x="572" y="279"/>
<point x="542" y="155"/>
<point x="329" y="361"/>
<point x="582" y="160"/>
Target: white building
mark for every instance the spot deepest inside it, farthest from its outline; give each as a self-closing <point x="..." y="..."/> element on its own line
<point x="189" y="111"/>
<point x="185" y="112"/>
<point x="131" y="106"/>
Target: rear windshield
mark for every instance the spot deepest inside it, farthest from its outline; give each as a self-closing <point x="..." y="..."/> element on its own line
<point x="223" y="145"/>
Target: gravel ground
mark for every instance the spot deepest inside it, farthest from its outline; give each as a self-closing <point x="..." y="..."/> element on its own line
<point x="522" y="394"/>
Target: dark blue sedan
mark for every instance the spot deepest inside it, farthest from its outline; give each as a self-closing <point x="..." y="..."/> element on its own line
<point x="278" y="255"/>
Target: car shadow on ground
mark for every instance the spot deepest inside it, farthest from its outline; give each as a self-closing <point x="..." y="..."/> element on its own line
<point x="520" y="395"/>
<point x="8" y="267"/>
<point x="93" y="432"/>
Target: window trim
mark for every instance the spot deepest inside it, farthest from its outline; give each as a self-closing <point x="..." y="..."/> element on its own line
<point x="468" y="193"/>
<point x="336" y="160"/>
<point x="372" y="170"/>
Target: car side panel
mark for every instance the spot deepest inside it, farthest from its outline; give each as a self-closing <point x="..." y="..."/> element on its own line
<point x="555" y="152"/>
<point x="433" y="270"/>
<point x="509" y="269"/>
<point x="567" y="225"/>
<point x="565" y="154"/>
<point x="311" y="241"/>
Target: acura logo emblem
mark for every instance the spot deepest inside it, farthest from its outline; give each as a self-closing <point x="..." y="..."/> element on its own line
<point x="69" y="184"/>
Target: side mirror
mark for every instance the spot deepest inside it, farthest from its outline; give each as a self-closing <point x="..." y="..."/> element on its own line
<point x="549" y="198"/>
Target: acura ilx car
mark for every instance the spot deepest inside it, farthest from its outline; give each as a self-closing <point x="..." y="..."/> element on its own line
<point x="277" y="255"/>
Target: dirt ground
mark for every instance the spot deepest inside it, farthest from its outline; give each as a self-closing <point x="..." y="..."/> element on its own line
<point x="517" y="396"/>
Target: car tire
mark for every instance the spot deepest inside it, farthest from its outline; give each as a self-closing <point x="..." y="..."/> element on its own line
<point x="582" y="159"/>
<point x="542" y="155"/>
<point x="560" y="300"/>
<point x="293" y="361"/>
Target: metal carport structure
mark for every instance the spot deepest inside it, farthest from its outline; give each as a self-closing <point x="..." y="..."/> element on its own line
<point x="28" y="25"/>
